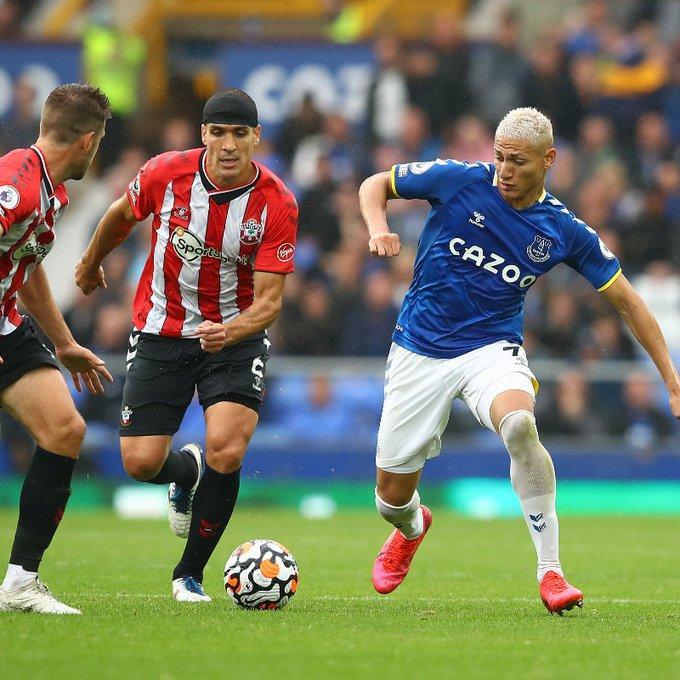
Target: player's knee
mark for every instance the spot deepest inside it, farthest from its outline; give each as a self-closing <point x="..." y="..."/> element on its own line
<point x="141" y="466"/>
<point x="225" y="458"/>
<point x="394" y="491"/>
<point x="64" y="435"/>
<point x="519" y="433"/>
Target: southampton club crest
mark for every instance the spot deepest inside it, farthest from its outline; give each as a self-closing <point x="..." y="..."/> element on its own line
<point x="125" y="415"/>
<point x="251" y="232"/>
<point x="538" y="251"/>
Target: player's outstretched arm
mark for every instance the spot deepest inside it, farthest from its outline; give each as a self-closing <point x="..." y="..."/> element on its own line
<point x="260" y="315"/>
<point x="111" y="231"/>
<point x="374" y="193"/>
<point x="36" y="297"/>
<point x="633" y="310"/>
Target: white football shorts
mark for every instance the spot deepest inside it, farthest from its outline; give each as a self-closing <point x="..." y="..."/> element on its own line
<point x="419" y="392"/>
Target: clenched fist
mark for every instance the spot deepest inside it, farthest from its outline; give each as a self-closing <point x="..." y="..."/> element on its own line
<point x="385" y="245"/>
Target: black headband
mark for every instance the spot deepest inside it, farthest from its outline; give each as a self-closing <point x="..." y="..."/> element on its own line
<point x="231" y="107"/>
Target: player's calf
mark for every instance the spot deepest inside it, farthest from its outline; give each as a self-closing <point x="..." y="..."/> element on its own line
<point x="180" y="498"/>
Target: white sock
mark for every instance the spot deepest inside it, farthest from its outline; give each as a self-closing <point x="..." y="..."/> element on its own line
<point x="408" y="519"/>
<point x="541" y="519"/>
<point x="533" y="479"/>
<point x="17" y="577"/>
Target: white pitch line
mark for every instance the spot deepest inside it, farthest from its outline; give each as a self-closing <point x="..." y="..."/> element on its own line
<point x="430" y="600"/>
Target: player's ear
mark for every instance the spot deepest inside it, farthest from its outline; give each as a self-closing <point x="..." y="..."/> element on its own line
<point x="549" y="159"/>
<point x="204" y="134"/>
<point x="256" y="134"/>
<point x="87" y="141"/>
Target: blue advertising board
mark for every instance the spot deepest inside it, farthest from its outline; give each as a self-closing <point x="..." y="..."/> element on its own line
<point x="278" y="77"/>
<point x="44" y="65"/>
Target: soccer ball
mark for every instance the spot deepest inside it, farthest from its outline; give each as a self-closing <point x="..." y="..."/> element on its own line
<point x="261" y="574"/>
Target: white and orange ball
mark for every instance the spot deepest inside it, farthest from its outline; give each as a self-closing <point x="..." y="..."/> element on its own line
<point x="261" y="574"/>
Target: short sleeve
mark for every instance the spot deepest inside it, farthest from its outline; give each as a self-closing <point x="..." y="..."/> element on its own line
<point x="591" y="258"/>
<point x="145" y="192"/>
<point x="277" y="249"/>
<point x="15" y="205"/>
<point x="435" y="181"/>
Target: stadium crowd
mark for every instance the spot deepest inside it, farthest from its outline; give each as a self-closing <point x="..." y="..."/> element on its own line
<point x="610" y="82"/>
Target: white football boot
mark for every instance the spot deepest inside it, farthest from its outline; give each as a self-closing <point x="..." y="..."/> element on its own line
<point x="33" y="597"/>
<point x="188" y="589"/>
<point x="180" y="500"/>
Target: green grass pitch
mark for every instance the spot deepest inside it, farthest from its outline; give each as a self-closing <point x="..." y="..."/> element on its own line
<point x="468" y="609"/>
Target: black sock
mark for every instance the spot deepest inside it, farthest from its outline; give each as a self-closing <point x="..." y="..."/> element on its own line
<point x="179" y="467"/>
<point x="43" y="499"/>
<point x="212" y="507"/>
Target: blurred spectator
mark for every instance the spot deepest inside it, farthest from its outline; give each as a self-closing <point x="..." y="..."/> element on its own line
<point x="305" y="121"/>
<point x="632" y="74"/>
<point x="564" y="175"/>
<point x="368" y="328"/>
<point x="670" y="98"/>
<point x="23" y="126"/>
<point x="647" y="237"/>
<point x="498" y="69"/>
<point x="469" y="139"/>
<point x="334" y="143"/>
<point x="569" y="412"/>
<point x="308" y="329"/>
<point x="453" y="57"/>
<point x="178" y="134"/>
<point x="652" y="147"/>
<point x="346" y="269"/>
<point x="10" y="22"/>
<point x="605" y="340"/>
<point x="659" y="287"/>
<point x="548" y="87"/>
<point x="561" y="319"/>
<point x="421" y="67"/>
<point x="318" y="217"/>
<point x="642" y="422"/>
<point x="112" y="60"/>
<point x="596" y="145"/>
<point x="589" y="27"/>
<point x="320" y="415"/>
<point x="416" y="142"/>
<point x="387" y="94"/>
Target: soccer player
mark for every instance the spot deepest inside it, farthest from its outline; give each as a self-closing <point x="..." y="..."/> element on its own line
<point x="223" y="239"/>
<point x="491" y="232"/>
<point x="32" y="388"/>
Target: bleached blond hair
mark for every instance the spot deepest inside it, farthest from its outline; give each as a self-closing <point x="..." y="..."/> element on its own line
<point x="529" y="125"/>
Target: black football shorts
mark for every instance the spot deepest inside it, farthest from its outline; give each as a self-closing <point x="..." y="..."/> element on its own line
<point x="22" y="352"/>
<point x="163" y="374"/>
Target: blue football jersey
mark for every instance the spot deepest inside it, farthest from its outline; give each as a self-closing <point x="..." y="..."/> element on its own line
<point x="477" y="258"/>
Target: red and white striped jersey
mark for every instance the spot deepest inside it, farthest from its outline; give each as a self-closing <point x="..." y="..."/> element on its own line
<point x="29" y="207"/>
<point x="206" y="242"/>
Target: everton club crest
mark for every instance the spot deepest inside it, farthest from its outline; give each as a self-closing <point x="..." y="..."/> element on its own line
<point x="538" y="251"/>
<point x="251" y="232"/>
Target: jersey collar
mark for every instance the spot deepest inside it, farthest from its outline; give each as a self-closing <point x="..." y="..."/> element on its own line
<point x="46" y="179"/>
<point x="224" y="195"/>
